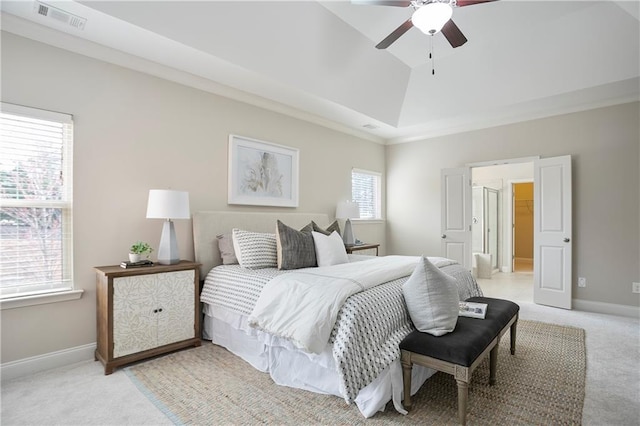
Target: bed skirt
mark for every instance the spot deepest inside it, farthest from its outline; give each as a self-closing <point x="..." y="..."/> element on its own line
<point x="291" y="367"/>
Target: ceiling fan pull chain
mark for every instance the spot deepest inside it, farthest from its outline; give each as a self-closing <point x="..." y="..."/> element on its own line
<point x="433" y="68"/>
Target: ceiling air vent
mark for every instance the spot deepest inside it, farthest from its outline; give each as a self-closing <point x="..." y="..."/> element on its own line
<point x="370" y="126"/>
<point x="59" y="15"/>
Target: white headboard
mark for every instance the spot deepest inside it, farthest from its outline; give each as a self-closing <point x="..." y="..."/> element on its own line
<point x="208" y="224"/>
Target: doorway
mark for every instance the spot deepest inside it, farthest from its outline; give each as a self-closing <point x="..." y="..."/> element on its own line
<point x="500" y="178"/>
<point x="514" y="278"/>
<point x="552" y="194"/>
<point x="522" y="213"/>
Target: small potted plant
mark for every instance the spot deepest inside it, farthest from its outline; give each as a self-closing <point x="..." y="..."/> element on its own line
<point x="138" y="250"/>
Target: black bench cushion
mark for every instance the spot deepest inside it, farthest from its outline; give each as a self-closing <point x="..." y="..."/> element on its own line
<point x="470" y="337"/>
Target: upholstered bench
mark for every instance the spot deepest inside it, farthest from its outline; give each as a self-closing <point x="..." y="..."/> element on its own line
<point x="461" y="351"/>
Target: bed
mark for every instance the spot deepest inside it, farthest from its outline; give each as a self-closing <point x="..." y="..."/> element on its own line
<point x="359" y="361"/>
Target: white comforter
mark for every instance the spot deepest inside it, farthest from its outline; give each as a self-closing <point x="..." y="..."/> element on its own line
<point x="302" y="306"/>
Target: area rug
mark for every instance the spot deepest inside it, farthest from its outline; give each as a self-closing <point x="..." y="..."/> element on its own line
<point x="543" y="383"/>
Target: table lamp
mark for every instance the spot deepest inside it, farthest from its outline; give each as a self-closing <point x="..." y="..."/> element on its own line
<point x="348" y="210"/>
<point x="168" y="204"/>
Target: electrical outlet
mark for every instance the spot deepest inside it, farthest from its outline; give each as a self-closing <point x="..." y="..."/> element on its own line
<point x="635" y="288"/>
<point x="582" y="282"/>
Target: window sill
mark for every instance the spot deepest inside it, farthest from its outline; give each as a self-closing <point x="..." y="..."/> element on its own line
<point x="40" y="299"/>
<point x="368" y="221"/>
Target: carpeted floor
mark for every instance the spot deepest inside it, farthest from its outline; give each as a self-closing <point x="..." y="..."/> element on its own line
<point x="544" y="383"/>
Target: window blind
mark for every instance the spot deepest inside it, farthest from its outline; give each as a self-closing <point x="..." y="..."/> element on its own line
<point x="36" y="148"/>
<point x="365" y="190"/>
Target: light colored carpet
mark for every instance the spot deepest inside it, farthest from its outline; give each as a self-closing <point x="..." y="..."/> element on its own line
<point x="543" y="383"/>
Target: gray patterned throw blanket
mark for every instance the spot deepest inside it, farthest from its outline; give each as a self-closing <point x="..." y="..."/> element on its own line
<point x="367" y="331"/>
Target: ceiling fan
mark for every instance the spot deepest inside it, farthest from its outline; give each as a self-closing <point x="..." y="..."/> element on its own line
<point x="430" y="16"/>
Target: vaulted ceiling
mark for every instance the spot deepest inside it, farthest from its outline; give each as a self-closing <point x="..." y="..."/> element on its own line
<point x="317" y="60"/>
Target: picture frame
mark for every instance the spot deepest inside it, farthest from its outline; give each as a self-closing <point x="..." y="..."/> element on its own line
<point x="262" y="173"/>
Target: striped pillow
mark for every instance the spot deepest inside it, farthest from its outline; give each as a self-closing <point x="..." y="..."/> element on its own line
<point x="255" y="250"/>
<point x="295" y="248"/>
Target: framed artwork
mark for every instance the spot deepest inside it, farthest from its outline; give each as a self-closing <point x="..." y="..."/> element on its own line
<point x="262" y="173"/>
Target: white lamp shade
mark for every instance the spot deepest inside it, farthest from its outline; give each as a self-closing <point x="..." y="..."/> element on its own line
<point x="348" y="210"/>
<point x="168" y="204"/>
<point x="431" y="17"/>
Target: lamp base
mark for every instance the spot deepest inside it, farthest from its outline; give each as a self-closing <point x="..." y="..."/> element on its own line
<point x="168" y="249"/>
<point x="348" y="237"/>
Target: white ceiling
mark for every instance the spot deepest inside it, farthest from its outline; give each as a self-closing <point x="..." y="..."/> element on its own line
<point x="317" y="60"/>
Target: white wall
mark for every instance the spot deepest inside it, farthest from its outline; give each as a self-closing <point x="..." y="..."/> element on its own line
<point x="604" y="145"/>
<point x="134" y="132"/>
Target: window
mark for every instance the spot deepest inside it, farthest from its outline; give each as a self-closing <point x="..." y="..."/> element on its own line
<point x="35" y="201"/>
<point x="366" y="190"/>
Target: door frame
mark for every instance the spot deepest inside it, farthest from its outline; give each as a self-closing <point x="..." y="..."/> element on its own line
<point x="507" y="249"/>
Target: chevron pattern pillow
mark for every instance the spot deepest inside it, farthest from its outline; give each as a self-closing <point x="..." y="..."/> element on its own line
<point x="255" y="250"/>
<point x="335" y="226"/>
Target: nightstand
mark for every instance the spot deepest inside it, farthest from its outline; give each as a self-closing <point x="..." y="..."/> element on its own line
<point x="365" y="246"/>
<point x="144" y="312"/>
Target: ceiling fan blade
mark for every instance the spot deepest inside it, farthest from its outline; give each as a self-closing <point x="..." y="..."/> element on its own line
<point x="453" y="34"/>
<point x="388" y="41"/>
<point x="397" y="3"/>
<point x="462" y="3"/>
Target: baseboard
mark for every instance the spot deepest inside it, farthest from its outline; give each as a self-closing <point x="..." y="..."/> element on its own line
<point x="24" y="367"/>
<point x="606" y="308"/>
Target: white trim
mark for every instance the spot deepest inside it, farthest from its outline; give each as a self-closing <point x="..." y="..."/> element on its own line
<point x="606" y="308"/>
<point x="40" y="299"/>
<point x="27" y="366"/>
<point x="369" y="221"/>
<point x="503" y="162"/>
<point x="40" y="114"/>
<point x="367" y="172"/>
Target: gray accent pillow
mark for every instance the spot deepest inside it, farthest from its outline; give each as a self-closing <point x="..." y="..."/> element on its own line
<point x="295" y="249"/>
<point x="227" y="253"/>
<point x="335" y="226"/>
<point x="255" y="250"/>
<point x="432" y="299"/>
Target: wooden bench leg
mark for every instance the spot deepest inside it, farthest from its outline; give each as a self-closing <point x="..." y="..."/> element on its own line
<point x="513" y="337"/>
<point x="493" y="363"/>
<point x="407" y="366"/>
<point x="463" y="395"/>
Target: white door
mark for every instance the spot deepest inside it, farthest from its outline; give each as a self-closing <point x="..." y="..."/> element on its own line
<point x="456" y="215"/>
<point x="552" y="232"/>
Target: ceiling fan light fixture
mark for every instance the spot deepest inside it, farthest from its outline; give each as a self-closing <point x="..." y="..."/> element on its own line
<point x="431" y="17"/>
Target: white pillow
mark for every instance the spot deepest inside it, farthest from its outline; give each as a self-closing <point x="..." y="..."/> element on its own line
<point x="432" y="299"/>
<point x="329" y="249"/>
<point x="255" y="250"/>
